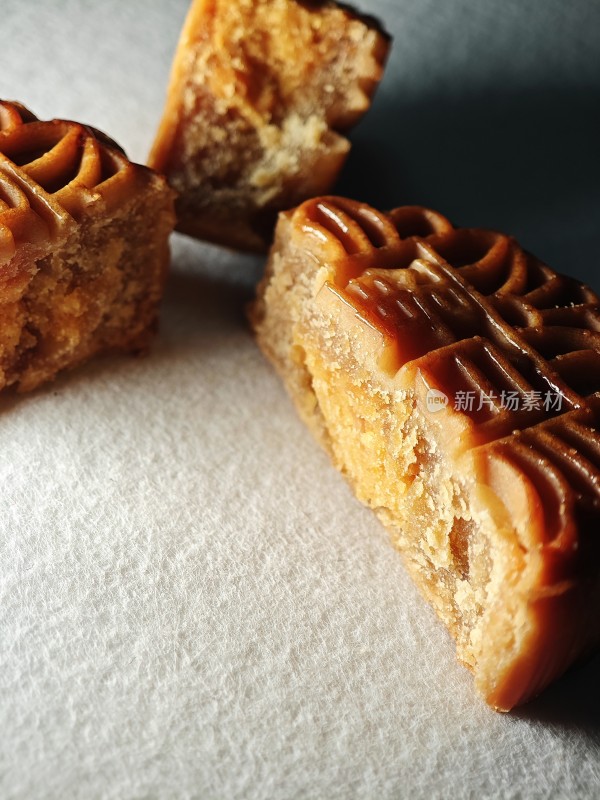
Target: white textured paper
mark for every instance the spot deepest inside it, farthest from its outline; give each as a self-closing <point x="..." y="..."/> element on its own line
<point x="192" y="604"/>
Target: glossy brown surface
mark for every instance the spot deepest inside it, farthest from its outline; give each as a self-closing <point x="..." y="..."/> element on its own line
<point x="480" y="315"/>
<point x="493" y="494"/>
<point x="83" y="246"/>
<point x="53" y="170"/>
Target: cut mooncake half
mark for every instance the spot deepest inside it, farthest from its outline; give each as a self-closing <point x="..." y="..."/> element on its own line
<point x="83" y="247"/>
<point x="455" y="381"/>
<point x="260" y="96"/>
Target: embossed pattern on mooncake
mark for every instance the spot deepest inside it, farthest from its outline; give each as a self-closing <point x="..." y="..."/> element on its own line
<point x="76" y="276"/>
<point x="51" y="167"/>
<point x="455" y="380"/>
<point x="484" y="315"/>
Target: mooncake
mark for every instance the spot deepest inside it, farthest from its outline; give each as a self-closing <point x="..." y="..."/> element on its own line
<point x="83" y="247"/>
<point x="455" y="380"/>
<point x="261" y="94"/>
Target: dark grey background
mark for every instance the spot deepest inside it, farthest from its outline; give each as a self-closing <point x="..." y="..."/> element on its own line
<point x="490" y="112"/>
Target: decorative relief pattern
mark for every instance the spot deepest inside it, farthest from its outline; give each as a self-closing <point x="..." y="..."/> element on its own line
<point x="51" y="172"/>
<point x="486" y="321"/>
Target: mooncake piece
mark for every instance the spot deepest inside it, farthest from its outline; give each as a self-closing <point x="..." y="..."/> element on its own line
<point x="83" y="247"/>
<point x="260" y="96"/>
<point x="454" y="379"/>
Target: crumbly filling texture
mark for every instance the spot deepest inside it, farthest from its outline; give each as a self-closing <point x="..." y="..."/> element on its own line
<point x="266" y="88"/>
<point x="457" y="538"/>
<point x="383" y="442"/>
<point x="95" y="289"/>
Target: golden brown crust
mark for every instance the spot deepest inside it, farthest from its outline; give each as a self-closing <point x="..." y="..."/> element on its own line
<point x="83" y="246"/>
<point x="259" y="95"/>
<point x="369" y="318"/>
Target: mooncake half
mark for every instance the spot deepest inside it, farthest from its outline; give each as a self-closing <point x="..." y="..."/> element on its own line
<point x="261" y="94"/>
<point x="83" y="247"/>
<point x="455" y="381"/>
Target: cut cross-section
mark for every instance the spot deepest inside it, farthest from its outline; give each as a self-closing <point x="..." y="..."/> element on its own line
<point x="83" y="247"/>
<point x="261" y="94"/>
<point x="455" y="381"/>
